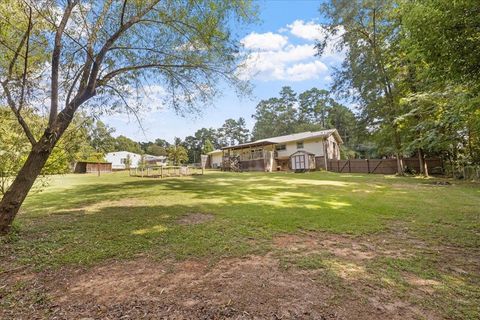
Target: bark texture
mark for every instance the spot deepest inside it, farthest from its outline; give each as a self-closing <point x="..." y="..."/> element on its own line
<point x="16" y="194"/>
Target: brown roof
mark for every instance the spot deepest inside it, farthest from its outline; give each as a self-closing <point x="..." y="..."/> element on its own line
<point x="258" y="143"/>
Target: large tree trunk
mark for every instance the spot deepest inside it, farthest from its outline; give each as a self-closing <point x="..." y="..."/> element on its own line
<point x="398" y="146"/>
<point x="14" y="197"/>
<point x="422" y="163"/>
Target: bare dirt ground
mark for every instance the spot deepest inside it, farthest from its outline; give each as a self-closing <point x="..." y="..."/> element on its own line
<point x="251" y="287"/>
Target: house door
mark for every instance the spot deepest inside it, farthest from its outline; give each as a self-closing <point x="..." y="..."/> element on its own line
<point x="298" y="162"/>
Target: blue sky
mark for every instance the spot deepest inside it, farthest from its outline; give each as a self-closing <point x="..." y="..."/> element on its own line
<point x="281" y="47"/>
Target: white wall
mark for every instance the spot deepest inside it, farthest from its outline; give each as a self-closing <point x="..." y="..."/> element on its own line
<point x="216" y="159"/>
<point x="116" y="159"/>
<point x="314" y="146"/>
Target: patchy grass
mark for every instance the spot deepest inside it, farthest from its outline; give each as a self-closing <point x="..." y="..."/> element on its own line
<point x="405" y="236"/>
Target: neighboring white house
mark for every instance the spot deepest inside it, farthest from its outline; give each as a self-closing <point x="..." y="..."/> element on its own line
<point x="120" y="159"/>
<point x="299" y="151"/>
<point x="215" y="158"/>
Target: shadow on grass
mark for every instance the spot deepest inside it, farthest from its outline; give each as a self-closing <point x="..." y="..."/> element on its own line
<point x="275" y="191"/>
<point x="92" y="222"/>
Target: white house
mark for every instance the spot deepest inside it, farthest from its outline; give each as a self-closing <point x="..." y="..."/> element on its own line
<point x="299" y="151"/>
<point x="123" y="159"/>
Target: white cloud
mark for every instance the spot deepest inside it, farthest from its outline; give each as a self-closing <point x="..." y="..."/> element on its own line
<point x="306" y="30"/>
<point x="293" y="63"/>
<point x="312" y="31"/>
<point x="306" y="71"/>
<point x="272" y="56"/>
<point x="264" y="41"/>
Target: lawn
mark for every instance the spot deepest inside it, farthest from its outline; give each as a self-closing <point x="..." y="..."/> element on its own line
<point x="372" y="244"/>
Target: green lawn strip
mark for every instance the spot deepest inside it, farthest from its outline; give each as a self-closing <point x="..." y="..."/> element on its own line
<point x="83" y="220"/>
<point x="56" y="226"/>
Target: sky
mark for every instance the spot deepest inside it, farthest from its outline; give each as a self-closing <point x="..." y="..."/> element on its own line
<point x="282" y="52"/>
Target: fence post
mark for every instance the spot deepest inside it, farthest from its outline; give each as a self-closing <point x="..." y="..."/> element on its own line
<point x="368" y="166"/>
<point x="349" y="168"/>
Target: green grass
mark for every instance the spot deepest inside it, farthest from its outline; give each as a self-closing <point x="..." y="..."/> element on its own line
<point x="82" y="220"/>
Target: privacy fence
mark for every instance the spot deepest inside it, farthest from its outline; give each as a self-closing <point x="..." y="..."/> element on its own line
<point x="383" y="166"/>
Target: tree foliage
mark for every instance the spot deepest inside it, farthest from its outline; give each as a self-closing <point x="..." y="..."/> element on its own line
<point x="412" y="69"/>
<point x="233" y="132"/>
<point x="311" y="110"/>
<point x="177" y="153"/>
<point x="105" y="54"/>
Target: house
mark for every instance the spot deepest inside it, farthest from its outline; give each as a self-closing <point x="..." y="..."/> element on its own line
<point x="123" y="160"/>
<point x="299" y="151"/>
<point x="215" y="159"/>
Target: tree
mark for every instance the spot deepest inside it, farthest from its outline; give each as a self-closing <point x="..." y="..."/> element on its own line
<point x="314" y="106"/>
<point x="368" y="31"/>
<point x="177" y="152"/>
<point x="156" y="150"/>
<point x="101" y="138"/>
<point x="207" y="147"/>
<point x="276" y="116"/>
<point x="342" y="119"/>
<point x="123" y="143"/>
<point x="233" y="132"/>
<point x="99" y="52"/>
<point x="443" y="115"/>
<point x="210" y="134"/>
<point x="446" y="34"/>
<point x="14" y="146"/>
<point x="192" y="145"/>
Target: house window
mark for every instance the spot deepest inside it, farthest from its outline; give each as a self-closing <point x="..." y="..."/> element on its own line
<point x="123" y="160"/>
<point x="300" y="145"/>
<point x="280" y="147"/>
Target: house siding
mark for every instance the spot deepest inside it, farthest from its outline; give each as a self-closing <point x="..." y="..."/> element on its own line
<point x="116" y="159"/>
<point x="314" y="146"/>
<point x="216" y="159"/>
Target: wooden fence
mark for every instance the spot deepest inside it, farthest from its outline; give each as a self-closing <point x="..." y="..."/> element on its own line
<point x="165" y="171"/>
<point x="383" y="166"/>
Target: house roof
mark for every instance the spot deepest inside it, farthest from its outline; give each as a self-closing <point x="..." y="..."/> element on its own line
<point x="304" y="136"/>
<point x="289" y="138"/>
<point x="257" y="143"/>
<point x="215" y="151"/>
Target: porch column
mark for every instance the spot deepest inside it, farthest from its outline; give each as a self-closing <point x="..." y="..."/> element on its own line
<point x="325" y="154"/>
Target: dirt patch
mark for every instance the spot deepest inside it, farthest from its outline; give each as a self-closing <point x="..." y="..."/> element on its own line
<point x="425" y="285"/>
<point x="195" y="218"/>
<point x="252" y="287"/>
<point x="349" y="247"/>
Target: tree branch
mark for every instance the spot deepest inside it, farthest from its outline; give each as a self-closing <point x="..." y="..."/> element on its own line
<point x="109" y="43"/>
<point x="91" y="40"/>
<point x="122" y="16"/>
<point x="111" y="75"/>
<point x="127" y="105"/>
<point x="56" y="61"/>
<point x="18" y="115"/>
<point x="11" y="103"/>
<point x="25" y="61"/>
